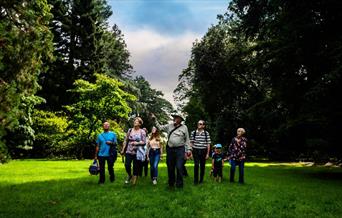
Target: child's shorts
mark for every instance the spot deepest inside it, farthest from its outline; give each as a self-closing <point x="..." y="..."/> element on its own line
<point x="217" y="171"/>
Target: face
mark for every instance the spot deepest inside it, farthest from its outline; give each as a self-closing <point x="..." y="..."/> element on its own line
<point x="200" y="124"/>
<point x="136" y="122"/>
<point x="154" y="130"/>
<point x="217" y="150"/>
<point x="106" y="126"/>
<point x="239" y="132"/>
<point x="177" y="120"/>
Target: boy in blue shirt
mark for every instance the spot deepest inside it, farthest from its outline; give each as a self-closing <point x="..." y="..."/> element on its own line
<point x="106" y="151"/>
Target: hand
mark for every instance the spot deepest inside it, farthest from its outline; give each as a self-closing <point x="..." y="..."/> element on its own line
<point x="95" y="158"/>
<point x="122" y="152"/>
<point x="108" y="142"/>
<point x="207" y="157"/>
<point x="188" y="155"/>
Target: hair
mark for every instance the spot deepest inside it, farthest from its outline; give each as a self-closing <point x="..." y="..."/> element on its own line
<point x="140" y="120"/>
<point x="203" y="121"/>
<point x="155" y="135"/>
<point x="242" y="129"/>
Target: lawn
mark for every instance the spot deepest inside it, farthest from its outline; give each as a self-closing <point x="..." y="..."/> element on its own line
<point x="45" y="188"/>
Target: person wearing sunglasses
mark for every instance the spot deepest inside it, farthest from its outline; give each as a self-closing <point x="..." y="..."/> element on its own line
<point x="200" y="142"/>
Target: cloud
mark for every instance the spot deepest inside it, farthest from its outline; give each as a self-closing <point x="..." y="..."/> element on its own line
<point x="160" y="58"/>
<point x="171" y="16"/>
<point x="159" y="35"/>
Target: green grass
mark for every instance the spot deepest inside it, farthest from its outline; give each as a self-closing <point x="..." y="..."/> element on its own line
<point x="40" y="188"/>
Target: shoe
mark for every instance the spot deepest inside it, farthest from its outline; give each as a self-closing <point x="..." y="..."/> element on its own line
<point x="128" y="179"/>
<point x="154" y="182"/>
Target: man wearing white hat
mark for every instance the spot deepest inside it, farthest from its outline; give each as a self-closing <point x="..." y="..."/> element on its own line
<point x="177" y="148"/>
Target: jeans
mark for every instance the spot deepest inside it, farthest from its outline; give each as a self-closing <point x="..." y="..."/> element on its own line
<point x="154" y="156"/>
<point x="199" y="161"/>
<point x="235" y="163"/>
<point x="128" y="162"/>
<point x="175" y="161"/>
<point x="110" y="163"/>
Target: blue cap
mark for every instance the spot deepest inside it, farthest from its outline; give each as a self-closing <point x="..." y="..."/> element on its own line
<point x="218" y="146"/>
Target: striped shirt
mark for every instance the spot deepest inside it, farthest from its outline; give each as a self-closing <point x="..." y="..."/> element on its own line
<point x="200" y="140"/>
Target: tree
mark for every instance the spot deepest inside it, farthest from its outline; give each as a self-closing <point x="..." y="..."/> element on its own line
<point x="298" y="41"/>
<point x="83" y="45"/>
<point x="103" y="100"/>
<point x="25" y="41"/>
<point x="275" y="68"/>
<point x="150" y="101"/>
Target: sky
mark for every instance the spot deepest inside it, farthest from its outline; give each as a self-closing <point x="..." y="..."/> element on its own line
<point x="159" y="35"/>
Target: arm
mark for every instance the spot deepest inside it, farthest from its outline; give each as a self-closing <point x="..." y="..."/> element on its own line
<point x="97" y="148"/>
<point x="212" y="164"/>
<point x="243" y="149"/>
<point x="148" y="148"/>
<point x="187" y="140"/>
<point x="192" y="141"/>
<point x="209" y="142"/>
<point x="96" y="151"/>
<point x="125" y="143"/>
<point x="229" y="152"/>
<point x="208" y="152"/>
<point x="163" y="128"/>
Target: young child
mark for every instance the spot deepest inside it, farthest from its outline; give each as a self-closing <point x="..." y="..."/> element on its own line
<point x="217" y="163"/>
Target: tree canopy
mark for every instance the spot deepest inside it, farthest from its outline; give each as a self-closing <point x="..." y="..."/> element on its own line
<point x="272" y="67"/>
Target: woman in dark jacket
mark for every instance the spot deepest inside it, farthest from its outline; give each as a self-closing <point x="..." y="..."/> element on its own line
<point x="237" y="154"/>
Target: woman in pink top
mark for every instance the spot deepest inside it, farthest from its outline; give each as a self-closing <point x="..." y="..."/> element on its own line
<point x="135" y="137"/>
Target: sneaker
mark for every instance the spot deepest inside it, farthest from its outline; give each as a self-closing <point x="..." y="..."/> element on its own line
<point x="154" y="182"/>
<point x="128" y="179"/>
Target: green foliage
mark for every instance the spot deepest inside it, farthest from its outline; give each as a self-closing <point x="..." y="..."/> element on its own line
<point x="103" y="100"/>
<point x="25" y="41"/>
<point x="84" y="44"/>
<point x="65" y="189"/>
<point x="51" y="133"/>
<point x="150" y="101"/>
<point x="272" y="67"/>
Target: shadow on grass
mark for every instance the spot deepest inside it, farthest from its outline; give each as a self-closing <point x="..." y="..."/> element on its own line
<point x="325" y="175"/>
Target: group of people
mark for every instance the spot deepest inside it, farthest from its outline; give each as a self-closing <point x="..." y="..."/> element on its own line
<point x="139" y="149"/>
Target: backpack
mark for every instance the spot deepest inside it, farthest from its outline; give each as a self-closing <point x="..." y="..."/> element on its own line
<point x="205" y="135"/>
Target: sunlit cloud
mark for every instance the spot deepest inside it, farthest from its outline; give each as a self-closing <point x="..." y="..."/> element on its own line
<point x="160" y="33"/>
<point x="160" y="58"/>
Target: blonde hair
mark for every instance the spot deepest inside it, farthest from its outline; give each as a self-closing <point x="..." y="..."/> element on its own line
<point x="242" y="130"/>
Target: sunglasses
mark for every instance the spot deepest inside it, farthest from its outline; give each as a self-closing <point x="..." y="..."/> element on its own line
<point x="200" y="123"/>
